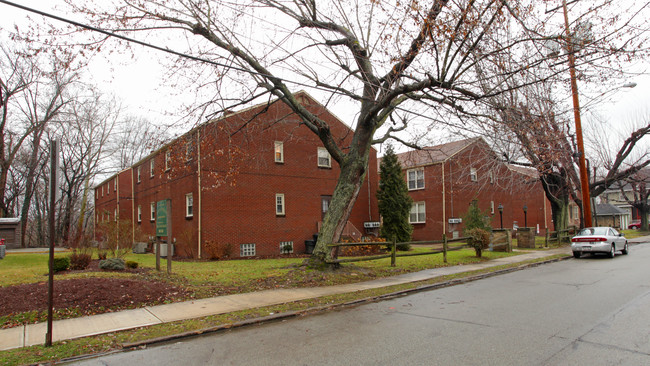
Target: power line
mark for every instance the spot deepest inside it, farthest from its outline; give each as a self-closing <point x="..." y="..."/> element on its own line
<point x="163" y="49"/>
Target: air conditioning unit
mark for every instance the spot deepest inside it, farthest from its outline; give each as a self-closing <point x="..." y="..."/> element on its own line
<point x="163" y="250"/>
<point x="371" y="224"/>
<point x="455" y="220"/>
<point x="139" y="248"/>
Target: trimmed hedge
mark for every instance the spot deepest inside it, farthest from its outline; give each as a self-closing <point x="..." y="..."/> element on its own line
<point x="60" y="264"/>
<point x="112" y="263"/>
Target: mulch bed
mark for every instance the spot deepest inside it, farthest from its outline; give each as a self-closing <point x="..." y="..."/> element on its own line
<point x="88" y="296"/>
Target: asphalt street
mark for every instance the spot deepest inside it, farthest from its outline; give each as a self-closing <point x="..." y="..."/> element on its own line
<point x="589" y="311"/>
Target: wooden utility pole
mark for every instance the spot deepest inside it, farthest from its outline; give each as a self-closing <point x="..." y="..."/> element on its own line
<point x="584" y="179"/>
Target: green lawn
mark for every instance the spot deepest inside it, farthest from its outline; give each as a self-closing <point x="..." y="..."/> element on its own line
<point x="245" y="274"/>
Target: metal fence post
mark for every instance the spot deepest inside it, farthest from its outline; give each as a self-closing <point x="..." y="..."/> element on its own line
<point x="393" y="254"/>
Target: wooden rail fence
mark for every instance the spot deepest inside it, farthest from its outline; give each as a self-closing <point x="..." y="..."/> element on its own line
<point x="393" y="246"/>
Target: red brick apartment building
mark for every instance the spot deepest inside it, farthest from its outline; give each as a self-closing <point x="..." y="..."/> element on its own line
<point x="256" y="181"/>
<point x="444" y="180"/>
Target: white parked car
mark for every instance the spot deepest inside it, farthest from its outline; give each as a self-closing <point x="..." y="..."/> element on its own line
<point x="598" y="240"/>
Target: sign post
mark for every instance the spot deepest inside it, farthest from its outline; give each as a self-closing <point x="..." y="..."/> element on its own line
<point x="163" y="228"/>
<point x="54" y="167"/>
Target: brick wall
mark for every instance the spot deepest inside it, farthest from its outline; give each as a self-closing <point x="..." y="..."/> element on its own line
<point x="239" y="180"/>
<point x="474" y="173"/>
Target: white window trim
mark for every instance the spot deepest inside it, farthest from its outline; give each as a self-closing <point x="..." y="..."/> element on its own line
<point x="473" y="175"/>
<point x="153" y="210"/>
<point x="280" y="197"/>
<point x="491" y="177"/>
<point x="329" y="158"/>
<point x="115" y="184"/>
<point x="138" y="171"/>
<point x="416" y="206"/>
<point x="189" y="207"/>
<point x="139" y="213"/>
<point x="152" y="166"/>
<point x="278" y="147"/>
<point x="168" y="156"/>
<point x="247" y="250"/>
<point x="115" y="211"/>
<point x="415" y="181"/>
<point x="492" y="207"/>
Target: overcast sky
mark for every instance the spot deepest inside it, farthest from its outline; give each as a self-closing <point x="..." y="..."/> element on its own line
<point x="140" y="81"/>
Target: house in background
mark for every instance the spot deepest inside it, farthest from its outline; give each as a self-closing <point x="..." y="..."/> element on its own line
<point x="444" y="180"/>
<point x="10" y="232"/>
<point x="606" y="214"/>
<point x="251" y="183"/>
<point x="621" y="196"/>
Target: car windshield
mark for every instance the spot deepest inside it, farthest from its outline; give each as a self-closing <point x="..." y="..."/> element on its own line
<point x="593" y="231"/>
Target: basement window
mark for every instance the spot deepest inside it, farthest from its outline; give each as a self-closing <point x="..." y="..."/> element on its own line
<point x="247" y="250"/>
<point x="286" y="247"/>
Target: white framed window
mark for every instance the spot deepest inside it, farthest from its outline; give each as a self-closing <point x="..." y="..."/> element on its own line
<point x="418" y="213"/>
<point x="102" y="191"/>
<point x="491" y="177"/>
<point x="189" y="205"/>
<point x="115" y="184"/>
<point x="279" y="204"/>
<point x="168" y="156"/>
<point x="492" y="207"/>
<point x="115" y="215"/>
<point x="473" y="176"/>
<point x="415" y="178"/>
<point x="138" y="173"/>
<point x="153" y="210"/>
<point x="286" y="247"/>
<point x="279" y="151"/>
<point x="324" y="158"/>
<point x="152" y="166"/>
<point x="189" y="150"/>
<point x="139" y="213"/>
<point x="247" y="250"/>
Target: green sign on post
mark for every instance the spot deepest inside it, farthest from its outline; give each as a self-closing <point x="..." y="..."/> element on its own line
<point x="161" y="218"/>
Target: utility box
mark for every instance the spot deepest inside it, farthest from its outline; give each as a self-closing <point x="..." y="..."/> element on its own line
<point x="163" y="249"/>
<point x="140" y="248"/>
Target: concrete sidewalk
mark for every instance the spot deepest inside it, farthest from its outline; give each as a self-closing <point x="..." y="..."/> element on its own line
<point x="34" y="334"/>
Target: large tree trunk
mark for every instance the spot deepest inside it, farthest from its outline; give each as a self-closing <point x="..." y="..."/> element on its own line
<point x="354" y="167"/>
<point x="560" y="213"/>
<point x="30" y="182"/>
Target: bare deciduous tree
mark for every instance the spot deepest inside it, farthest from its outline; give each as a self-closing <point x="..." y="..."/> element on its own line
<point x="381" y="58"/>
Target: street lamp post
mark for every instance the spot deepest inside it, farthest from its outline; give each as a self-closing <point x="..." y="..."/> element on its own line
<point x="525" y="216"/>
<point x="501" y="214"/>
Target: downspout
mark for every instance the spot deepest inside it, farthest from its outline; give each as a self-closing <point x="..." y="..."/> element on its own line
<point x="134" y="215"/>
<point x="451" y="190"/>
<point x="198" y="163"/>
<point x="444" y="208"/>
<point x="117" y="213"/>
<point x="369" y="202"/>
<point x="544" y="205"/>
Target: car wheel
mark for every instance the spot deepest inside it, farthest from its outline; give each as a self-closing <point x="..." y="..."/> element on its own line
<point x="576" y="254"/>
<point x="611" y="251"/>
<point x="625" y="250"/>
